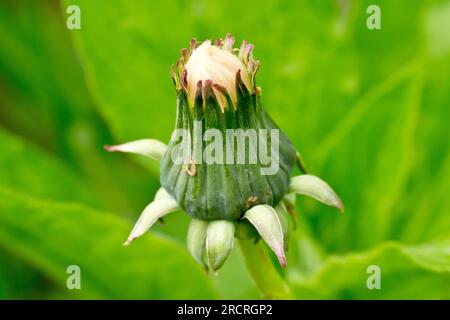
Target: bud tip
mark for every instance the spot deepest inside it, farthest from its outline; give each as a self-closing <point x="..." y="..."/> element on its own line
<point x="340" y="206"/>
<point x="282" y="260"/>
<point x="109" y="148"/>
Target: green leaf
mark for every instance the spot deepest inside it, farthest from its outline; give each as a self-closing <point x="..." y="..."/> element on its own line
<point x="51" y="236"/>
<point x="44" y="89"/>
<point x="131" y="93"/>
<point x="419" y="272"/>
<point x="44" y="99"/>
<point x="25" y="168"/>
<point x="378" y="136"/>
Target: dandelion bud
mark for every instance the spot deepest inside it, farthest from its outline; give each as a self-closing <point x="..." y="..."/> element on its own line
<point x="227" y="165"/>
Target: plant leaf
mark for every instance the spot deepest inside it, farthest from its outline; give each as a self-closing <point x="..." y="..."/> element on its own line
<point x="418" y="272"/>
<point x="52" y="236"/>
<point x="25" y="168"/>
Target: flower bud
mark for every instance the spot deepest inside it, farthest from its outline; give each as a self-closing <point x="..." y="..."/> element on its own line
<point x="216" y="93"/>
<point x="211" y="62"/>
<point x="241" y="193"/>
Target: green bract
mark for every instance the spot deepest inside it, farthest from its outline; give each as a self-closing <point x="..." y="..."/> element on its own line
<point x="227" y="165"/>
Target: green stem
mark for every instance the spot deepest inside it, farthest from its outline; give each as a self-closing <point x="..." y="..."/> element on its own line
<point x="267" y="279"/>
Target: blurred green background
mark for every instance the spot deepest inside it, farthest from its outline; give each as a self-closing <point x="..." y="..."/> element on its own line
<point x="368" y="109"/>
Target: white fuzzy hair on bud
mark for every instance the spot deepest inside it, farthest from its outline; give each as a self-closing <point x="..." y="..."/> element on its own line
<point x="210" y="62"/>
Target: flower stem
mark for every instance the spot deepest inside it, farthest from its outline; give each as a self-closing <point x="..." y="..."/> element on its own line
<point x="267" y="279"/>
